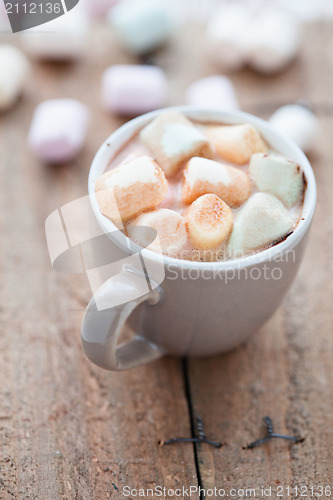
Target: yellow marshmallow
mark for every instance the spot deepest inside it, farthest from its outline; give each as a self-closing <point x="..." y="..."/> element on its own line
<point x="209" y="221"/>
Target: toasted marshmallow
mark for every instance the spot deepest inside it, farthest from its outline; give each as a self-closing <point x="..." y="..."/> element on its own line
<point x="213" y="92"/>
<point x="171" y="198"/>
<point x="209" y="221"/>
<point x="225" y="38"/>
<point x="99" y="8"/>
<point x="279" y="176"/>
<point x="202" y="176"/>
<point x="14" y="68"/>
<point x="127" y="190"/>
<point x="297" y="123"/>
<point x="236" y="143"/>
<point x="170" y="228"/>
<point x="173" y="139"/>
<point x="272" y="40"/>
<point x="262" y="221"/>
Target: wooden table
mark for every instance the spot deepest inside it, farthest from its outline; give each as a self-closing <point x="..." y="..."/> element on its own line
<point x="72" y="431"/>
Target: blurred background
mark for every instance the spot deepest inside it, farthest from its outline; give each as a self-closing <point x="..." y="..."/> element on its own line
<point x="231" y="54"/>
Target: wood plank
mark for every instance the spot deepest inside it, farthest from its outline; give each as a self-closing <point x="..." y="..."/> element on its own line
<point x="286" y="369"/>
<point x="70" y="430"/>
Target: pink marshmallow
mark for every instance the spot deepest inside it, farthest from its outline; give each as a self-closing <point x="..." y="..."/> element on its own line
<point x="4" y="21"/>
<point x="99" y="8"/>
<point x="58" y="130"/>
<point x="133" y="89"/>
<point x="213" y="92"/>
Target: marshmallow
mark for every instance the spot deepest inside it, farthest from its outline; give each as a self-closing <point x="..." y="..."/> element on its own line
<point x="99" y="8"/>
<point x="171" y="198"/>
<point x="127" y="190"/>
<point x="141" y="25"/>
<point x="297" y="123"/>
<point x="170" y="228"/>
<point x="308" y="11"/>
<point x="58" y="130"/>
<point x="65" y="39"/>
<point x="202" y="176"/>
<point x="133" y="89"/>
<point x="272" y="40"/>
<point x="173" y="139"/>
<point x="236" y="143"/>
<point x="279" y="176"/>
<point x="14" y="68"/>
<point x="225" y="35"/>
<point x="4" y="21"/>
<point x="261" y="222"/>
<point x="209" y="221"/>
<point x="213" y="92"/>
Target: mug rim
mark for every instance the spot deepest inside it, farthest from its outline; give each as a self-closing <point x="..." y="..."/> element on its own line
<point x="124" y="133"/>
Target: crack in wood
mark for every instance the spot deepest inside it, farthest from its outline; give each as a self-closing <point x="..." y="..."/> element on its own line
<point x="188" y="395"/>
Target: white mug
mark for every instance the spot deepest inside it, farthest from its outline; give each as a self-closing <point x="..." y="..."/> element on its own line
<point x="200" y="308"/>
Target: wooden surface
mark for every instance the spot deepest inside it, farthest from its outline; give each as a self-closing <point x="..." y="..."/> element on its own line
<point x="72" y="431"/>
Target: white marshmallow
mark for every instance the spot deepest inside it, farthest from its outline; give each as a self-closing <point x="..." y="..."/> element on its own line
<point x="297" y="123"/>
<point x="225" y="35"/>
<point x="236" y="143"/>
<point x="272" y="40"/>
<point x="99" y="8"/>
<point x="14" y="68"/>
<point x="125" y="191"/>
<point x="213" y="92"/>
<point x="173" y="139"/>
<point x="63" y="39"/>
<point x="133" y="89"/>
<point x="58" y="130"/>
<point x="142" y="25"/>
<point x="279" y="176"/>
<point x="170" y="228"/>
<point x="262" y="221"/>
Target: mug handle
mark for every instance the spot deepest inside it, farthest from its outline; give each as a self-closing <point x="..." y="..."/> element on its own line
<point x="101" y="329"/>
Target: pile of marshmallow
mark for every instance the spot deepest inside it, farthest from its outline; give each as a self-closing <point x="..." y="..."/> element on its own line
<point x="265" y="38"/>
<point x="59" y="126"/>
<point x="229" y="208"/>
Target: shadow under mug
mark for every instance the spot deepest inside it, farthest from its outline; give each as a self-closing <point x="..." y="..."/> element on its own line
<point x="200" y="308"/>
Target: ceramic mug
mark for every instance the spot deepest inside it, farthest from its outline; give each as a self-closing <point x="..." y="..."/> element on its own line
<point x="200" y="308"/>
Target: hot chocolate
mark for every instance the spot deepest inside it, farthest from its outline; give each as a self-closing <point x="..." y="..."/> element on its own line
<point x="211" y="191"/>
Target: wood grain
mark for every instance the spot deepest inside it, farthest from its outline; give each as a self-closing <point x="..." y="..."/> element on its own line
<point x="285" y="371"/>
<point x="72" y="431"/>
